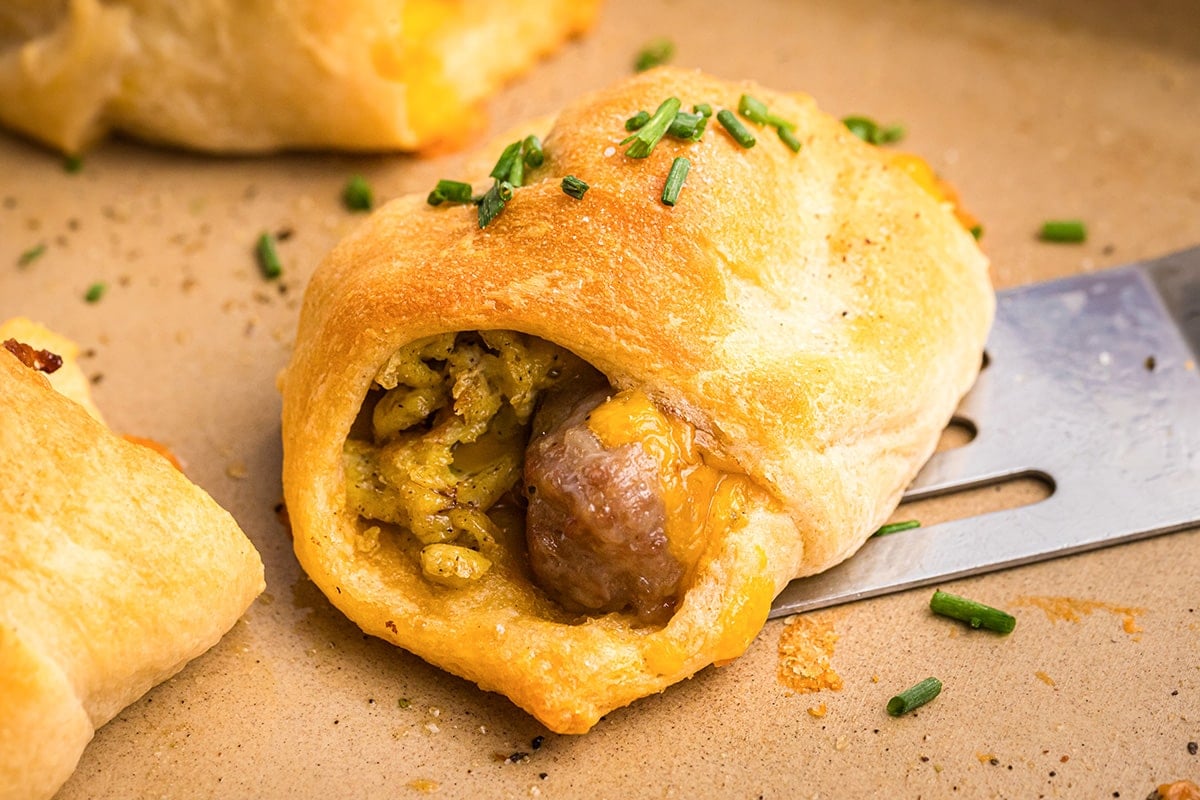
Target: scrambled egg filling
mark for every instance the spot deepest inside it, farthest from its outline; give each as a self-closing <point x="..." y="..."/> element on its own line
<point x="442" y="440"/>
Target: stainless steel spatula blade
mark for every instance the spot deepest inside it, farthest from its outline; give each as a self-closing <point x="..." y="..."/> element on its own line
<point x="1091" y="384"/>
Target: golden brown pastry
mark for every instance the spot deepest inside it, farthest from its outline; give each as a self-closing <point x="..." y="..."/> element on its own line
<point x="115" y="570"/>
<point x="232" y="76"/>
<point x="573" y="455"/>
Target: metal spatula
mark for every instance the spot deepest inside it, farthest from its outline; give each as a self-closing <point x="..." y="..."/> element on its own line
<point x="1091" y="384"/>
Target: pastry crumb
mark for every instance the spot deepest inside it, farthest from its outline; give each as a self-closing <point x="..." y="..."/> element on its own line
<point x="805" y="649"/>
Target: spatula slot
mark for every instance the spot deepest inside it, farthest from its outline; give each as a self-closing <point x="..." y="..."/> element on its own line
<point x="1014" y="491"/>
<point x="959" y="432"/>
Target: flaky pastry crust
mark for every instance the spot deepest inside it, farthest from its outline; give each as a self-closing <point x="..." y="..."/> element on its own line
<point x="815" y="316"/>
<point x="115" y="571"/>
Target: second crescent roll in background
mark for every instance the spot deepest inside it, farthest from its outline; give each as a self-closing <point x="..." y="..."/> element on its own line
<point x="243" y="77"/>
<point x="800" y="325"/>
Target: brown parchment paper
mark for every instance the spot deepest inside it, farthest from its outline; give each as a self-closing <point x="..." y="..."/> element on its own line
<point x="1033" y="110"/>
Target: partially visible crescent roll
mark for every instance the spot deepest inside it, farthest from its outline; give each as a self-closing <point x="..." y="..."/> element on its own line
<point x="115" y="571"/>
<point x="813" y="317"/>
<point x="236" y="76"/>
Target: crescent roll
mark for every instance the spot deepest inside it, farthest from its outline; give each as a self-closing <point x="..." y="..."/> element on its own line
<point x="235" y="76"/>
<point x="115" y="570"/>
<point x="572" y="452"/>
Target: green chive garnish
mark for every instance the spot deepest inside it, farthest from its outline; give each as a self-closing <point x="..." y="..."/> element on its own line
<point x="650" y="134"/>
<point x="896" y="527"/>
<point x="574" y="187"/>
<point x="915" y="697"/>
<point x="516" y="173"/>
<point x="736" y="129"/>
<point x="357" y="195"/>
<point x="687" y="126"/>
<point x="703" y="109"/>
<point x="653" y="54"/>
<point x="977" y="615"/>
<point x="752" y="109"/>
<point x="73" y="163"/>
<point x="95" y="292"/>
<point x="1064" y="230"/>
<point x="450" y="191"/>
<point x="977" y="232"/>
<point x="531" y="148"/>
<point x="268" y="258"/>
<point x="493" y="202"/>
<point x="872" y="132"/>
<point x="31" y="255"/>
<point x="789" y="138"/>
<point x="504" y="165"/>
<point x="675" y="179"/>
<point x="637" y="121"/>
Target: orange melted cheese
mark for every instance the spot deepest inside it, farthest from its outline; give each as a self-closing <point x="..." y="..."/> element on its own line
<point x="703" y="502"/>
<point x="689" y="486"/>
<point x="931" y="182"/>
<point x="416" y="60"/>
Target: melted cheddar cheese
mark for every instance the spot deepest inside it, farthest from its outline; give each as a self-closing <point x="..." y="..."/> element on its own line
<point x="702" y="501"/>
<point x="930" y="181"/>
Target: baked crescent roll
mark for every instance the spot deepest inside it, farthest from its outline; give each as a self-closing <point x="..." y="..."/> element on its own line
<point x="234" y="76"/>
<point x="573" y="454"/>
<point x="115" y="570"/>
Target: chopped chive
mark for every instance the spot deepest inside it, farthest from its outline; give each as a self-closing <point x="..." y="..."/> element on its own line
<point x="914" y="697"/>
<point x="357" y="195"/>
<point x="891" y="133"/>
<point x="492" y="202"/>
<point x="651" y="133"/>
<point x="1064" y="230"/>
<point x="73" y="163"/>
<point x="753" y="109"/>
<point x="637" y="121"/>
<point x="574" y="187"/>
<point x="872" y="132"/>
<point x="703" y="109"/>
<point x="95" y="292"/>
<point x="896" y="527"/>
<point x="736" y="129"/>
<point x="504" y="164"/>
<point x="657" y="52"/>
<point x="977" y="232"/>
<point x="516" y="173"/>
<point x="31" y="255"/>
<point x="687" y="126"/>
<point x="531" y="148"/>
<point x="268" y="258"/>
<point x="789" y="138"/>
<point x="675" y="179"/>
<point x="780" y="122"/>
<point x="977" y="615"/>
<point x="861" y="127"/>
<point x="450" y="191"/>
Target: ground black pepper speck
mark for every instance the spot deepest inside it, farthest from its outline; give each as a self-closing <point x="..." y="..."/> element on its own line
<point x="1192" y="748"/>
